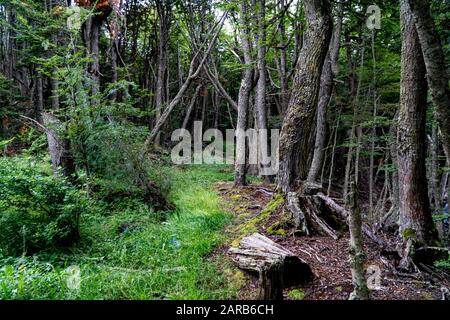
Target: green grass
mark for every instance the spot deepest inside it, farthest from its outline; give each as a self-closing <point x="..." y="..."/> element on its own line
<point x="153" y="259"/>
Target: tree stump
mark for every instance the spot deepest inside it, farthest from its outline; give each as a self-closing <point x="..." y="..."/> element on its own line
<point x="275" y="266"/>
<point x="316" y="214"/>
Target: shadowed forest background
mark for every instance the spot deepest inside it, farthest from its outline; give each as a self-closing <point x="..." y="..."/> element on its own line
<point x="92" y="207"/>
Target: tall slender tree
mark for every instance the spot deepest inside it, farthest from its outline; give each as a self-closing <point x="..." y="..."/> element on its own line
<point x="244" y="97"/>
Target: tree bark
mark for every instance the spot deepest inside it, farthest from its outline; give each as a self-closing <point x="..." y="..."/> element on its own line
<point x="91" y="37"/>
<point x="243" y="99"/>
<point x="329" y="72"/>
<point x="260" y="92"/>
<point x="415" y="215"/>
<point x="276" y="266"/>
<point x="191" y="107"/>
<point x="356" y="248"/>
<point x="59" y="147"/>
<point x="298" y="121"/>
<point x="164" y="17"/>
<point x="437" y="74"/>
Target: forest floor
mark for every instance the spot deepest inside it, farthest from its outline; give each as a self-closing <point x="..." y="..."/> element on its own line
<point x="129" y="252"/>
<point x="327" y="257"/>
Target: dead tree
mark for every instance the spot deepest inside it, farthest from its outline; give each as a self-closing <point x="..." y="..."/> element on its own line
<point x="275" y="266"/>
<point x="194" y="70"/>
<point x="313" y="213"/>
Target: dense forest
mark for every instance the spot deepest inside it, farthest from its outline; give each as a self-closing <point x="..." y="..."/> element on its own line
<point x="224" y="149"/>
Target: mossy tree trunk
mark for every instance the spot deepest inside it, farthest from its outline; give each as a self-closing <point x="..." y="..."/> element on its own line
<point x="299" y="119"/>
<point x="329" y="73"/>
<point x="415" y="214"/>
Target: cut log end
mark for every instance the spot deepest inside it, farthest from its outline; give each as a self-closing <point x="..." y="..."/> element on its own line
<point x="276" y="266"/>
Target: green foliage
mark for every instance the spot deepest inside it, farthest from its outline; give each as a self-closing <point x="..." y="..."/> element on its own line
<point x="409" y="233"/>
<point x="37" y="211"/>
<point x="443" y="264"/>
<point x="252" y="225"/>
<point x="129" y="254"/>
<point x="24" y="278"/>
<point x="296" y="294"/>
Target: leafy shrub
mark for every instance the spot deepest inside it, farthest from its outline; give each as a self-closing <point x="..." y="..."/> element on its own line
<point x="120" y="168"/>
<point x="443" y="264"/>
<point x="37" y="210"/>
<point x="26" y="278"/>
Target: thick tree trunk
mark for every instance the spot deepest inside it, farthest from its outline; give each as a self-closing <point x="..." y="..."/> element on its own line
<point x="298" y="121"/>
<point x="415" y="214"/>
<point x="329" y="72"/>
<point x="437" y="74"/>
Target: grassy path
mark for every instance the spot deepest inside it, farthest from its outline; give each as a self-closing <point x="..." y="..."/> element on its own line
<point x="148" y="259"/>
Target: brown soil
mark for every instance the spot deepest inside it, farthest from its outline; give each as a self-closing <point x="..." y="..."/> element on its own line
<point x="327" y="258"/>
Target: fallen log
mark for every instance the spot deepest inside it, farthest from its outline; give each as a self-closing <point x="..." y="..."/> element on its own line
<point x="275" y="266"/>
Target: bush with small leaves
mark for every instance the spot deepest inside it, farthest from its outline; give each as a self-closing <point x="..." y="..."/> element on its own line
<point x="37" y="210"/>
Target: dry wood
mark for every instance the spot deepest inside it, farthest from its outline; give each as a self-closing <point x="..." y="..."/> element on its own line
<point x="276" y="266"/>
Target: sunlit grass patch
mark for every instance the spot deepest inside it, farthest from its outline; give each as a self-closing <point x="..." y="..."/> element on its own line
<point x="130" y="252"/>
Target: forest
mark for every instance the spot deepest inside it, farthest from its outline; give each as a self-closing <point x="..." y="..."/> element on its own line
<point x="224" y="149"/>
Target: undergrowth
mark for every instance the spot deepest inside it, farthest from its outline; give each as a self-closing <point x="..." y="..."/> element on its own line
<point x="128" y="251"/>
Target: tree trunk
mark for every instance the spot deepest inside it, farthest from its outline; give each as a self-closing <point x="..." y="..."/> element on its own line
<point x="298" y="121"/>
<point x="437" y="74"/>
<point x="39" y="102"/>
<point x="260" y="93"/>
<point x="164" y="12"/>
<point x="243" y="100"/>
<point x="191" y="107"/>
<point x="393" y="152"/>
<point x="282" y="65"/>
<point x="91" y="34"/>
<point x="329" y="72"/>
<point x="415" y="215"/>
<point x="434" y="148"/>
<point x="59" y="147"/>
<point x="356" y="248"/>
